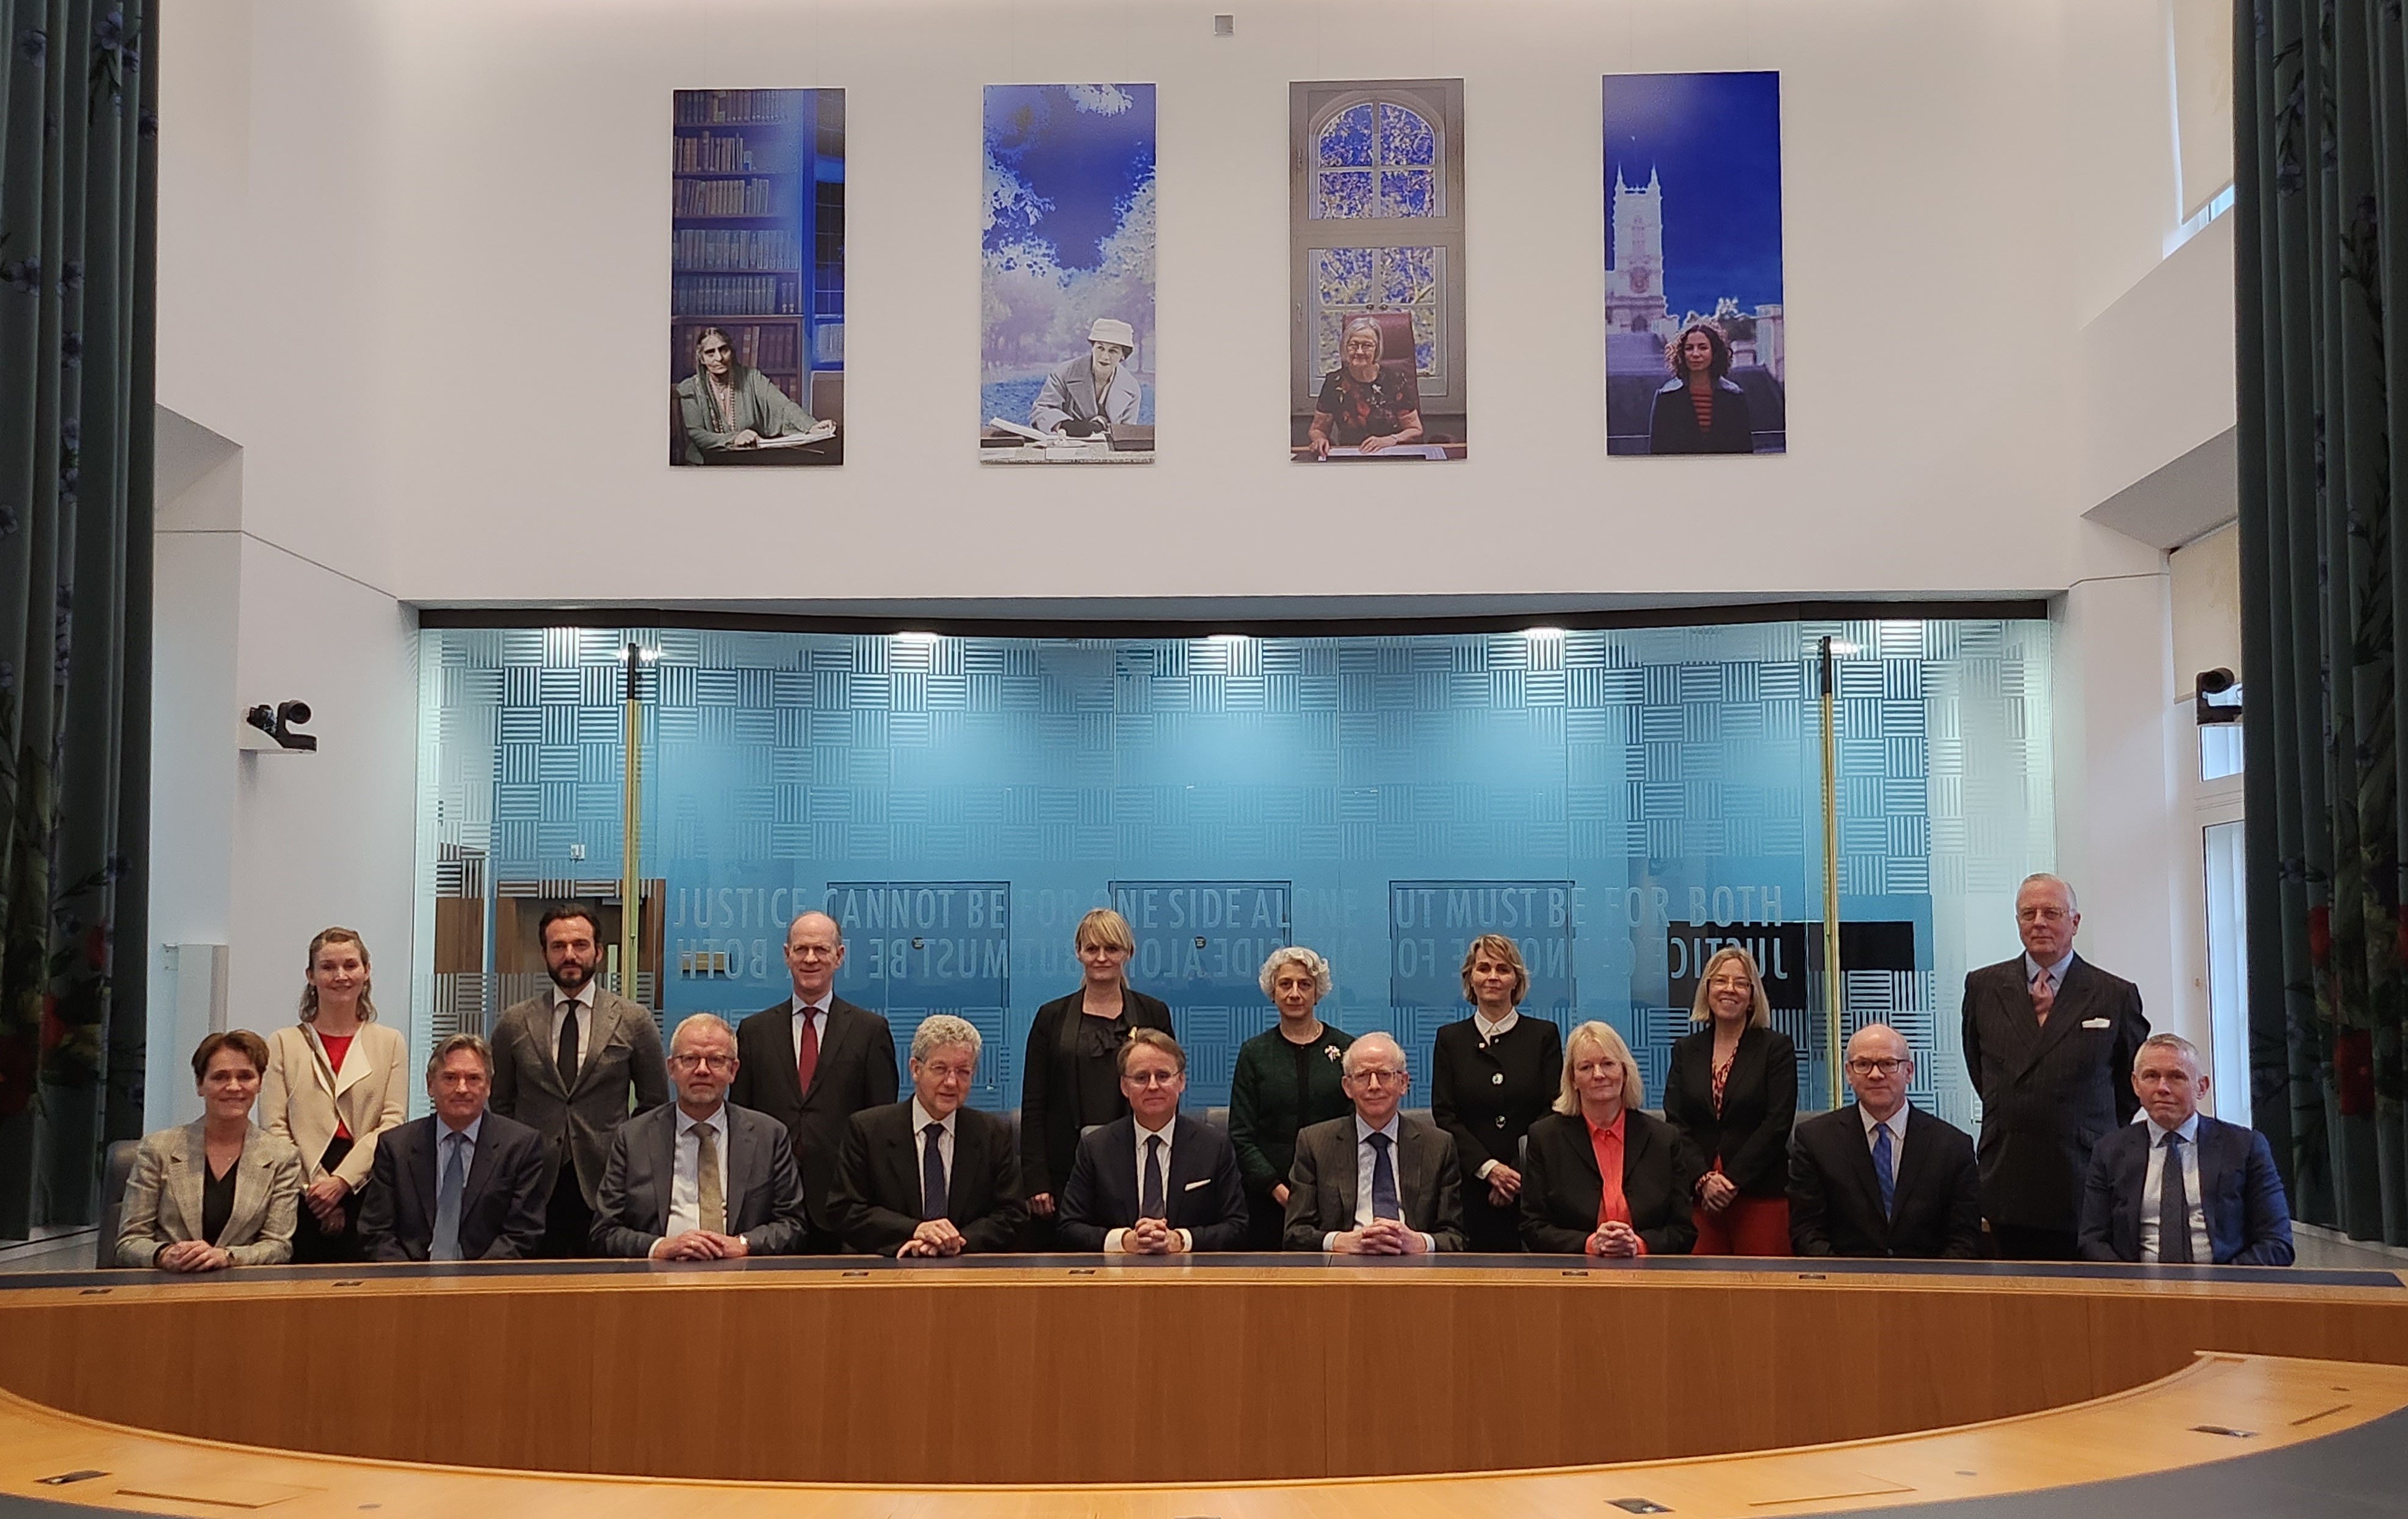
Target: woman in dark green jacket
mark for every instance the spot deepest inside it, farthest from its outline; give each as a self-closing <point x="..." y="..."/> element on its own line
<point x="1286" y="1078"/>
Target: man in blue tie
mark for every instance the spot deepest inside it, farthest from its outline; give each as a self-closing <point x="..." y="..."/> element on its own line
<point x="1880" y="1177"/>
<point x="929" y="1176"/>
<point x="2182" y="1189"/>
<point x="1154" y="1182"/>
<point x="1375" y="1182"/>
<point x="462" y="1183"/>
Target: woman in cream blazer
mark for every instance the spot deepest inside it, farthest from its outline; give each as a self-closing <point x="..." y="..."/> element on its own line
<point x="220" y="1191"/>
<point x="335" y="1084"/>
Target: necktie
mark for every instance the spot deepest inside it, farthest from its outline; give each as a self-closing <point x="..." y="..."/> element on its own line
<point x="711" y="1199"/>
<point x="2174" y="1208"/>
<point x="1881" y="1170"/>
<point x="1149" y="1203"/>
<point x="1384" y="1180"/>
<point x="932" y="1173"/>
<point x="2044" y="994"/>
<point x="447" y="1199"/>
<point x="807" y="1050"/>
<point x="568" y="1054"/>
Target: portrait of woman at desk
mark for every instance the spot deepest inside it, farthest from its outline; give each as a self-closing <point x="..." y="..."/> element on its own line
<point x="1365" y="404"/>
<point x="727" y="405"/>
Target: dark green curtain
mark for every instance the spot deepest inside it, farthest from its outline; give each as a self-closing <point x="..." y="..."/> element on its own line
<point x="2321" y="137"/>
<point x="77" y="262"/>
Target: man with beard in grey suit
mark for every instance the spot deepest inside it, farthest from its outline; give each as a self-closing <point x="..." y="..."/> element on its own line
<point x="571" y="1064"/>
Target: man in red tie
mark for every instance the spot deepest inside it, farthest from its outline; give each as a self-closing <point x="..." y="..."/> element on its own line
<point x="813" y="1060"/>
<point x="2049" y="1041"/>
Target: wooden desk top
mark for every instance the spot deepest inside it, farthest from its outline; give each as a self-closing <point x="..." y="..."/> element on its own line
<point x="2299" y="1417"/>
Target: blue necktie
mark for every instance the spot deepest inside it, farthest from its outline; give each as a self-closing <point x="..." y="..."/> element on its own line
<point x="2174" y="1207"/>
<point x="1384" y="1180"/>
<point x="932" y="1174"/>
<point x="1882" y="1170"/>
<point x="1149" y="1204"/>
<point x="447" y="1199"/>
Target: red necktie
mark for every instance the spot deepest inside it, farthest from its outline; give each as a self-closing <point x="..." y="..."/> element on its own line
<point x="807" y="1050"/>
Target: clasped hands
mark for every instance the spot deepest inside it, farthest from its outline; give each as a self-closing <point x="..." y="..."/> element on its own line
<point x="937" y="1237"/>
<point x="1716" y="1192"/>
<point x="1380" y="1237"/>
<point x="701" y="1245"/>
<point x="324" y="1198"/>
<point x="1615" y="1239"/>
<point x="192" y="1256"/>
<point x="1504" y="1184"/>
<point x="1151" y="1237"/>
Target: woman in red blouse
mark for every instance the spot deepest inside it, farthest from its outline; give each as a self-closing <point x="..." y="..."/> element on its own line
<point x="335" y="1082"/>
<point x="1603" y="1178"/>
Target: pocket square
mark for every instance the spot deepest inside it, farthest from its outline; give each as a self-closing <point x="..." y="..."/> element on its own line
<point x="1192" y="1185"/>
<point x="2095" y="1022"/>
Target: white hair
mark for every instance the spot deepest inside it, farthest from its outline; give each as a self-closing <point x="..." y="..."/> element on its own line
<point x="1297" y="954"/>
<point x="2042" y="878"/>
<point x="939" y="1029"/>
<point x="1362" y="1046"/>
<point x="702" y="1023"/>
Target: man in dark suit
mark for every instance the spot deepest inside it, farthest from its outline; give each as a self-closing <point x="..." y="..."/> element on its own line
<point x="2183" y="1188"/>
<point x="1154" y="1182"/>
<point x="928" y="1176"/>
<point x="1880" y="1175"/>
<point x="701" y="1178"/>
<point x="460" y="1184"/>
<point x="811" y="1062"/>
<point x="571" y="1064"/>
<point x="2049" y="1039"/>
<point x="1374" y="1182"/>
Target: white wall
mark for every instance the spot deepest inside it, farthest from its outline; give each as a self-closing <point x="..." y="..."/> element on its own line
<point x="414" y="261"/>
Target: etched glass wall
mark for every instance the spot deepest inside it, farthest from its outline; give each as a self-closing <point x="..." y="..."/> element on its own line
<point x="1617" y="801"/>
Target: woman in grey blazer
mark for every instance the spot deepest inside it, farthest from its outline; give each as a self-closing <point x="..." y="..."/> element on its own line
<point x="220" y="1191"/>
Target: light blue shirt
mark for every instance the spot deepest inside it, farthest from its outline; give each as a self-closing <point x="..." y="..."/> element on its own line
<point x="2056" y="972"/>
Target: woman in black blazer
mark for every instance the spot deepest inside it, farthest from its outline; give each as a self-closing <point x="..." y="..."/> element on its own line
<point x="1733" y="1092"/>
<point x="1567" y="1208"/>
<point x="1701" y="409"/>
<point x="1493" y="1075"/>
<point x="1072" y="1078"/>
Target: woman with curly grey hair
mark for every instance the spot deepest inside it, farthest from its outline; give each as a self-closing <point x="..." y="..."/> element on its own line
<point x="1286" y="1078"/>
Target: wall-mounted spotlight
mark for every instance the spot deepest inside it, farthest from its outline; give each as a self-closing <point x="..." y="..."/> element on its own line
<point x="2216" y="697"/>
<point x="277" y="723"/>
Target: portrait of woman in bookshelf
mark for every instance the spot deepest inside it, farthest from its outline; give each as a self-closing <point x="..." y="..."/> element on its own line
<point x="756" y="287"/>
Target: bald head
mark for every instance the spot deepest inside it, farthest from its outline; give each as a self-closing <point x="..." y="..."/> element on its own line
<point x="1880" y="1066"/>
<point x="814" y="948"/>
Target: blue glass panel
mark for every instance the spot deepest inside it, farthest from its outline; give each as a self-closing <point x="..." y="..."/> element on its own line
<point x="1346" y="139"/>
<point x="1407" y="193"/>
<point x="1342" y="194"/>
<point x="1405" y="137"/>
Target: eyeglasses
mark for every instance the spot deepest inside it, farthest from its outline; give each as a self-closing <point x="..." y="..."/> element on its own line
<point x="1377" y="1073"/>
<point x="949" y="1074"/>
<point x="1150" y="1078"/>
<point x="1862" y="1065"/>
<point x="703" y="1062"/>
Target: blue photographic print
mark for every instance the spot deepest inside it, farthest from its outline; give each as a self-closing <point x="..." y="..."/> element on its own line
<point x="1695" y="356"/>
<point x="1066" y="364"/>
<point x="756" y="282"/>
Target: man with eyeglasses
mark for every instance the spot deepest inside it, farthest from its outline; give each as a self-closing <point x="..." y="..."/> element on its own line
<point x="811" y="1061"/>
<point x="1880" y="1175"/>
<point x="929" y="1176"/>
<point x="701" y="1178"/>
<point x="2049" y="1041"/>
<point x="1154" y="1182"/>
<point x="1374" y="1182"/>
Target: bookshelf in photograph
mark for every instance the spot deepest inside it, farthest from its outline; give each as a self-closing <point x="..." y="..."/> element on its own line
<point x="757" y="229"/>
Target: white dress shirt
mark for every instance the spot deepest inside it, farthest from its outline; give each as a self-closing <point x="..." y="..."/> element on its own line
<point x="1393" y="1129"/>
<point x="1895" y="1124"/>
<point x="1113" y="1237"/>
<point x="921" y="1119"/>
<point x="1489" y="1033"/>
<point x="582" y="1002"/>
<point x="2152" y="1190"/>
<point x="685" y="1175"/>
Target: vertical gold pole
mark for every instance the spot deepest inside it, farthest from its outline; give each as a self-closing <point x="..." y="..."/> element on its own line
<point x="1832" y="995"/>
<point x="631" y="831"/>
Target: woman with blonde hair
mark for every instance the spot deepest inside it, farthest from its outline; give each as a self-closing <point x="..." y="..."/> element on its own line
<point x="335" y="1082"/>
<point x="1287" y="1078"/>
<point x="1071" y="1078"/>
<point x="1492" y="1076"/>
<point x="1602" y="1177"/>
<point x="1733" y="1093"/>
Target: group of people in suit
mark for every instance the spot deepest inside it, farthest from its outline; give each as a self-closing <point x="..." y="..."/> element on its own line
<point x="572" y="1133"/>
